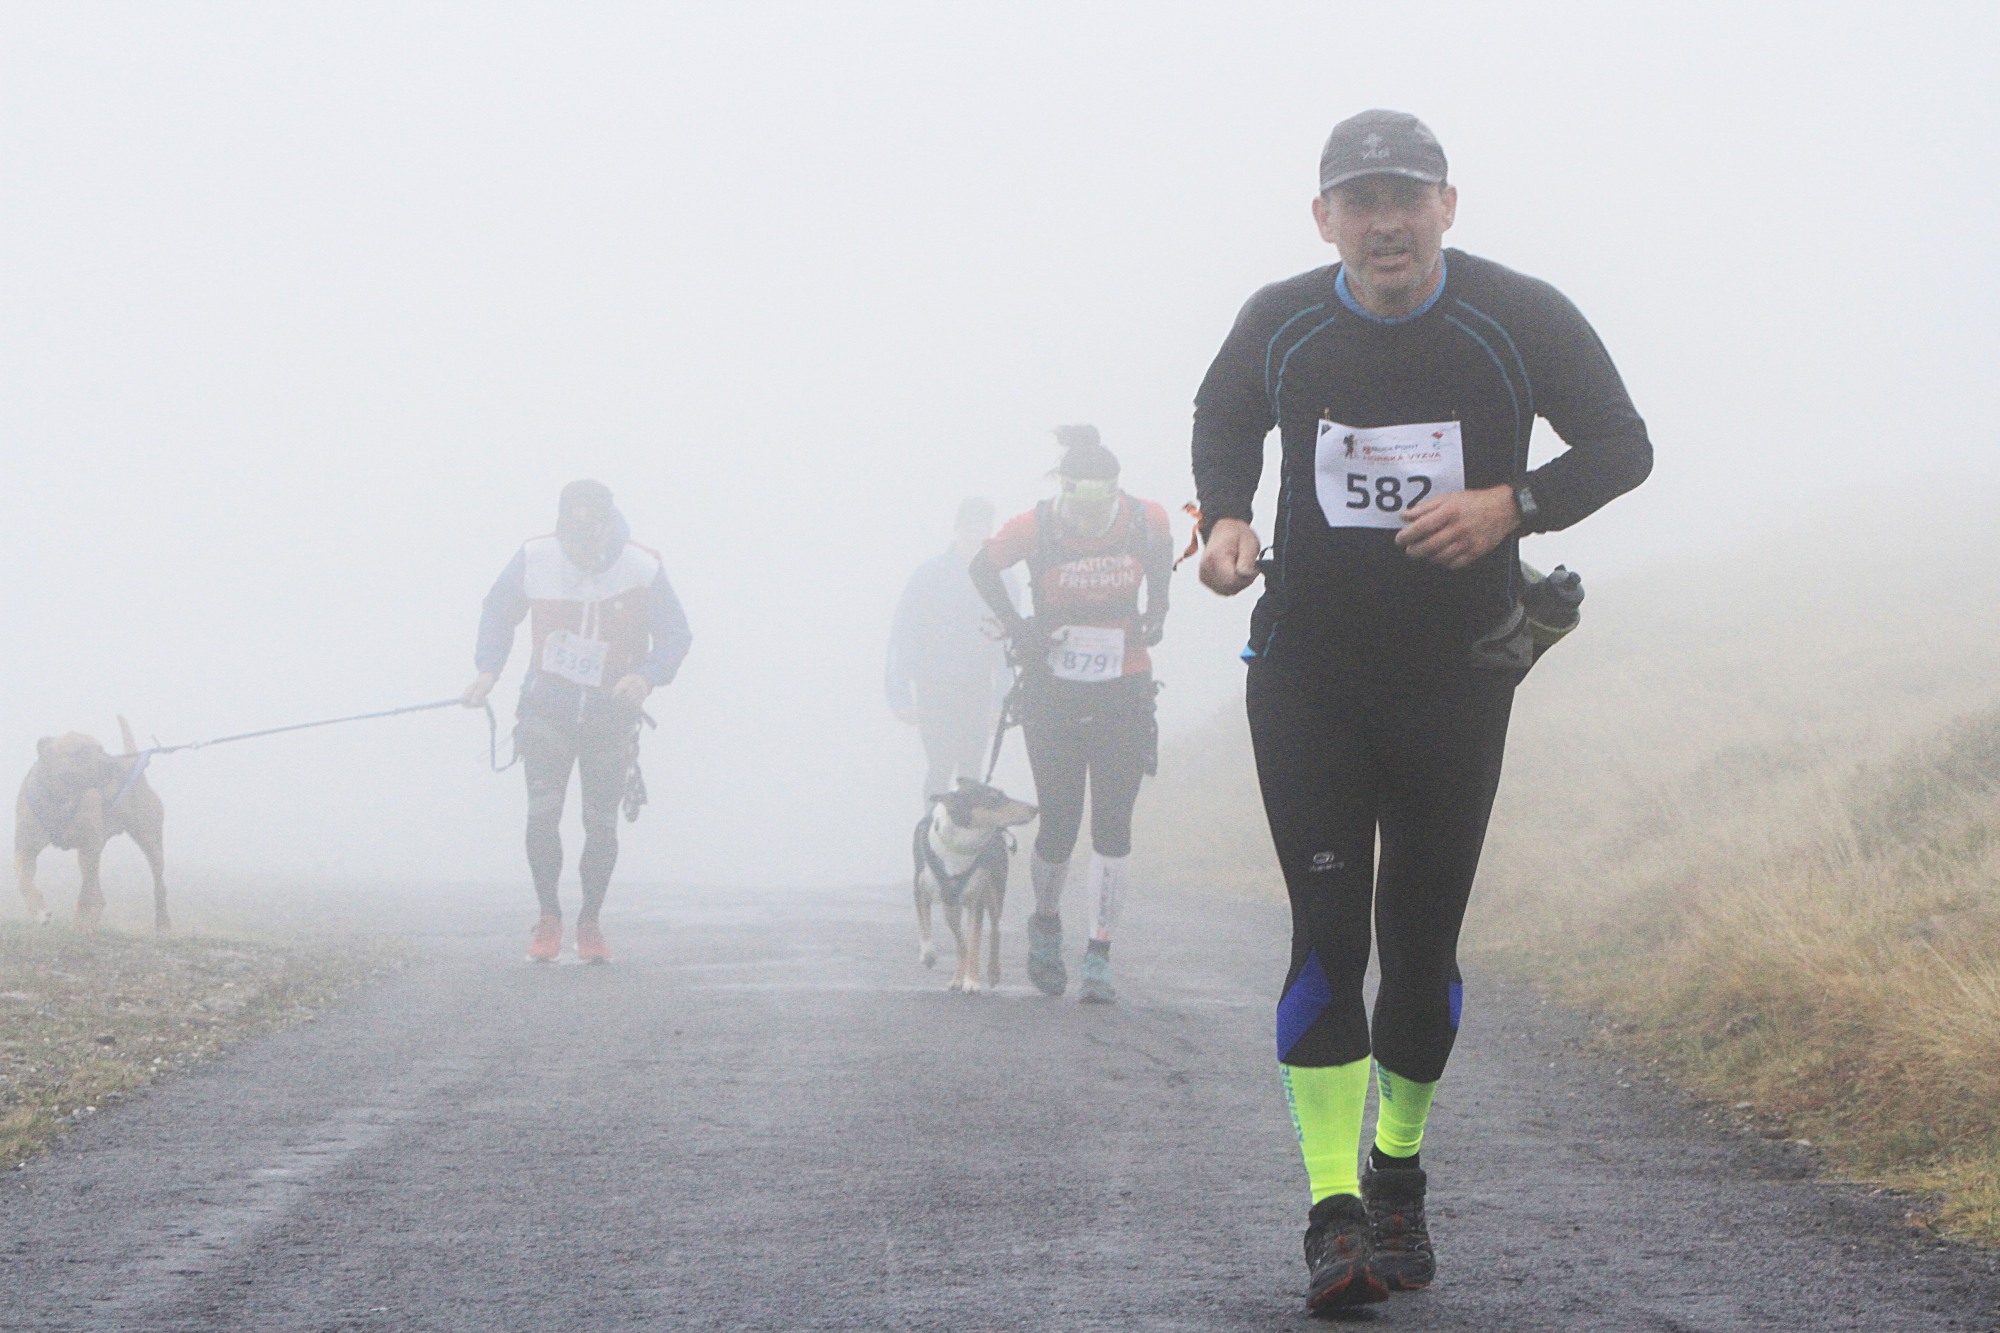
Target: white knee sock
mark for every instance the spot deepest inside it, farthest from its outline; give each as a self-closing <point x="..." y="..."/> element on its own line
<point x="1109" y="878"/>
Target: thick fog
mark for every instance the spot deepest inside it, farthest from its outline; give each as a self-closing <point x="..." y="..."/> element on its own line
<point x="310" y="310"/>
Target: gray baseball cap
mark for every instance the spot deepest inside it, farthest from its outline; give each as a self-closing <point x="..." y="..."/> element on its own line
<point x="1380" y="143"/>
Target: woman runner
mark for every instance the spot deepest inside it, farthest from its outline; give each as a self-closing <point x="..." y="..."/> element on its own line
<point x="1087" y="685"/>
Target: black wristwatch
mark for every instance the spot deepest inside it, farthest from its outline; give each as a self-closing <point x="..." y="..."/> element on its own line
<point x="1524" y="500"/>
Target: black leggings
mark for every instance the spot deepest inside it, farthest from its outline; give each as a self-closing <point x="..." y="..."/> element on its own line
<point x="601" y="753"/>
<point x="1099" y="735"/>
<point x="1341" y="758"/>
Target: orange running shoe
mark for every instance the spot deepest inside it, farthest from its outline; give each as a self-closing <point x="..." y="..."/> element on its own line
<point x="590" y="945"/>
<point x="546" y="942"/>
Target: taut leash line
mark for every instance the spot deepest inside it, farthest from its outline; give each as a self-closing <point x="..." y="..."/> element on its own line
<point x="492" y="734"/>
<point x="307" y="726"/>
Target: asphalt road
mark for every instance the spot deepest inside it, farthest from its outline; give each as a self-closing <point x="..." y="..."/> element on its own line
<point x="766" y="1115"/>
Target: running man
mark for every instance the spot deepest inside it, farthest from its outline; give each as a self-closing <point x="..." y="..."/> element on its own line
<point x="1087" y="686"/>
<point x="946" y="675"/>
<point x="607" y="630"/>
<point x="1383" y="655"/>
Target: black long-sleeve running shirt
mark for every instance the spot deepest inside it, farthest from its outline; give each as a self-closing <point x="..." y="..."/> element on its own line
<point x="1492" y="351"/>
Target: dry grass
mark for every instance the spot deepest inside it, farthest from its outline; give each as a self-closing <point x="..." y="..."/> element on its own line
<point x="86" y="1019"/>
<point x="1752" y="816"/>
<point x="1847" y="985"/>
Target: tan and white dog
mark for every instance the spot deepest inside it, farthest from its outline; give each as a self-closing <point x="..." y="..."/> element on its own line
<point x="77" y="798"/>
<point x="962" y="849"/>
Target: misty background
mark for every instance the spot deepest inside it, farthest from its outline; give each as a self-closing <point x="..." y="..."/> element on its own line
<point x="309" y="311"/>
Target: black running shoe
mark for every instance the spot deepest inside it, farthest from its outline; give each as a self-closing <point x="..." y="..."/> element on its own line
<point x="1402" y="1240"/>
<point x="1339" y="1255"/>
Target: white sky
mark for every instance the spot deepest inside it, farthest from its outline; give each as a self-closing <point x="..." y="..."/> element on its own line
<point x="309" y="310"/>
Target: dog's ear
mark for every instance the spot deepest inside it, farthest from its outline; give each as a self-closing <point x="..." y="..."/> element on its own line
<point x="43" y="746"/>
<point x="976" y="793"/>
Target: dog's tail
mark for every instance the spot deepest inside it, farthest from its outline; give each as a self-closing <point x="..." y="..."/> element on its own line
<point x="131" y="746"/>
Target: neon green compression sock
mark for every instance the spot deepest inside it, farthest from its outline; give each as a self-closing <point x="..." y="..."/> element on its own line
<point x="1402" y="1107"/>
<point x="1327" y="1103"/>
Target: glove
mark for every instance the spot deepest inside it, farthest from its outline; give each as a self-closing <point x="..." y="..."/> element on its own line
<point x="1028" y="644"/>
<point x="632" y="690"/>
<point x="1151" y="628"/>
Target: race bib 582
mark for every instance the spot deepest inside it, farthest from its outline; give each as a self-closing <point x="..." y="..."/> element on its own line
<point x="1367" y="476"/>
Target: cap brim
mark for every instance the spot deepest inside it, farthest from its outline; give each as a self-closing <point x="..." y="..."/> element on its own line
<point x="1407" y="173"/>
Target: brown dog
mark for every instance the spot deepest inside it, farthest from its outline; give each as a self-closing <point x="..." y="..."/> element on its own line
<point x="962" y="850"/>
<point x="77" y="798"/>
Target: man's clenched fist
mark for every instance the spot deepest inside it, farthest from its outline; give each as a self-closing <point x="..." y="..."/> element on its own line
<point x="1229" y="561"/>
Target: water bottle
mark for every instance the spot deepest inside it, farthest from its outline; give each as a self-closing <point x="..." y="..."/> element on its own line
<point x="1553" y="603"/>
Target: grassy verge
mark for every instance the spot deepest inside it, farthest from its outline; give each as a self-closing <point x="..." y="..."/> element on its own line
<point x="1842" y="978"/>
<point x="86" y="1019"/>
<point x="1751" y="817"/>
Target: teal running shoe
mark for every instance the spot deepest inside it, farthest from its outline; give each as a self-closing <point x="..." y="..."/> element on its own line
<point x="1045" y="964"/>
<point x="1097" y="987"/>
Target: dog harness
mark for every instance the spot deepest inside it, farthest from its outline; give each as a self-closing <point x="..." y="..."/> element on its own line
<point x="38" y="797"/>
<point x="951" y="888"/>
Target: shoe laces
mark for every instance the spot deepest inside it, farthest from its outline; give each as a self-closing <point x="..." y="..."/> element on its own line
<point x="1338" y="1237"/>
<point x="1397" y="1228"/>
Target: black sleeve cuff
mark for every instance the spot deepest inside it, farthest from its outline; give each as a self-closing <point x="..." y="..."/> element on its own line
<point x="1212" y="514"/>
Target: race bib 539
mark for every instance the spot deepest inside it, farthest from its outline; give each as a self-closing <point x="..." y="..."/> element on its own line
<point x="574" y="657"/>
<point x="1367" y="476"/>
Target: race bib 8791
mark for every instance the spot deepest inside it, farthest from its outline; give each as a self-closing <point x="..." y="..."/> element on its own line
<point x="1367" y="476"/>
<point x="1091" y="653"/>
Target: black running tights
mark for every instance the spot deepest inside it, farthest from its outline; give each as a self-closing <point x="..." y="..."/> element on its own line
<point x="1099" y="736"/>
<point x="602" y="758"/>
<point x="1343" y="759"/>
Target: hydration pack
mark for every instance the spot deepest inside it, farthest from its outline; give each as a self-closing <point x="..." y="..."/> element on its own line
<point x="1047" y="554"/>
